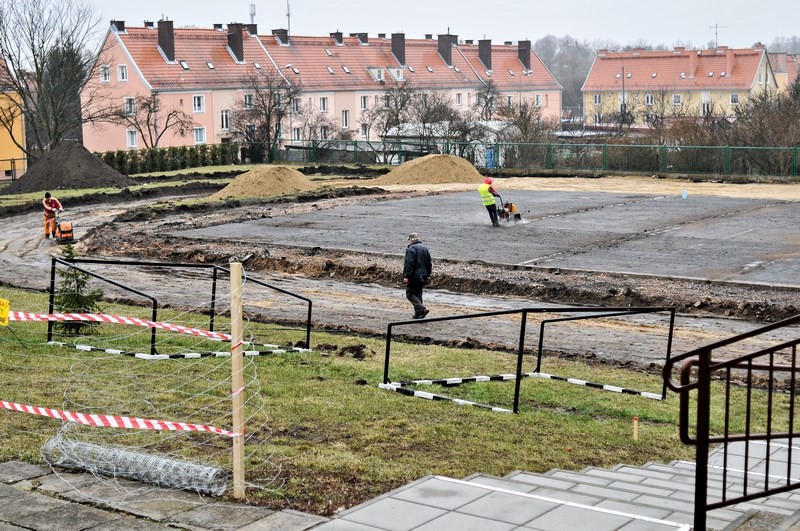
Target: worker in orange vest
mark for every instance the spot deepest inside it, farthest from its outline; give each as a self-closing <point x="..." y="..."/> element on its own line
<point x="52" y="206"/>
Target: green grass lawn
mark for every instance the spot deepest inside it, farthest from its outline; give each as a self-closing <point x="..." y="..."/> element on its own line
<point x="321" y="434"/>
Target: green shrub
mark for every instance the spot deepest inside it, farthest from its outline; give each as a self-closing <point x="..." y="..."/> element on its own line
<point x="74" y="296"/>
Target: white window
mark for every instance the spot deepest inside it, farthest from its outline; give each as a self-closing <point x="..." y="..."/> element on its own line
<point x="760" y="78"/>
<point x="130" y="105"/>
<point x="364" y="102"/>
<point x="458" y="98"/>
<point x="224" y="120"/>
<point x="105" y="74"/>
<point x="323" y="132"/>
<point x="249" y="101"/>
<point x="597" y="117"/>
<point x="734" y="98"/>
<point x="509" y="101"/>
<point x="364" y="130"/>
<point x="323" y="104"/>
<point x="185" y="65"/>
<point x="199" y="104"/>
<point x="598" y="98"/>
<point x="706" y="108"/>
<point x="199" y="135"/>
<point x="295" y="133"/>
<point x="131" y="135"/>
<point x="122" y="73"/>
<point x="345" y="119"/>
<point x="537" y="100"/>
<point x="295" y="104"/>
<point x="677" y="99"/>
<point x="649" y="99"/>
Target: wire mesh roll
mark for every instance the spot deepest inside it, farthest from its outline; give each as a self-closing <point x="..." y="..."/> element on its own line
<point x="119" y="463"/>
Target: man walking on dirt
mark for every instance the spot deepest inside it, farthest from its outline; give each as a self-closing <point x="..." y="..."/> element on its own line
<point x="416" y="271"/>
<point x="488" y="194"/>
<point x="51" y="207"/>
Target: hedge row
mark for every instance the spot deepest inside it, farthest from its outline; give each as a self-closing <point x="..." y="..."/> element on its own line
<point x="171" y="158"/>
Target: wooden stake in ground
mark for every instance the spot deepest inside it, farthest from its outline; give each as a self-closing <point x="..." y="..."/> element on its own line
<point x="237" y="380"/>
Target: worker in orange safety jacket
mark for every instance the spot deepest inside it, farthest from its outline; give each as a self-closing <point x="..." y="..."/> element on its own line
<point x="52" y="206"/>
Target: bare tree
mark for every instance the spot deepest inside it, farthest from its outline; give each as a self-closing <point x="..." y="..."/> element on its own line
<point x="485" y="99"/>
<point x="258" y="119"/>
<point x="145" y="115"/>
<point x="526" y="121"/>
<point x="389" y="111"/>
<point x="48" y="48"/>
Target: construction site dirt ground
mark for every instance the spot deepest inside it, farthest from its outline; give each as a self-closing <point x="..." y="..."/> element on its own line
<point x="726" y="257"/>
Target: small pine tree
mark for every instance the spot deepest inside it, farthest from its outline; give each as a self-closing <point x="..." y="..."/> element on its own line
<point x="73" y="296"/>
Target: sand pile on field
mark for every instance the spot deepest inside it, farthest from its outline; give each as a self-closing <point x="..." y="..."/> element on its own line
<point x="69" y="166"/>
<point x="266" y="181"/>
<point x="433" y="169"/>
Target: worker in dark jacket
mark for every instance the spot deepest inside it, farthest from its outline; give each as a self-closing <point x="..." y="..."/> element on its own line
<point x="416" y="272"/>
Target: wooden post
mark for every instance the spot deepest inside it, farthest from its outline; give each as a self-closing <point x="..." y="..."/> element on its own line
<point x="636" y="429"/>
<point x="237" y="380"/>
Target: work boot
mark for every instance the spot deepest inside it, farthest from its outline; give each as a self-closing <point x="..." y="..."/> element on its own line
<point x="47" y="236"/>
<point x="424" y="313"/>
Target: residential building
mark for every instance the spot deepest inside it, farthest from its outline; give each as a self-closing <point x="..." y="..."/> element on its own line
<point x="646" y="87"/>
<point x="204" y="73"/>
<point x="12" y="157"/>
<point x="785" y="68"/>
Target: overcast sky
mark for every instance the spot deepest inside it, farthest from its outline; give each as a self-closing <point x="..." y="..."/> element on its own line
<point x="740" y="22"/>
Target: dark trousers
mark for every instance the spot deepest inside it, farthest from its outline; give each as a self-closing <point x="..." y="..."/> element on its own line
<point x="493" y="214"/>
<point x="414" y="296"/>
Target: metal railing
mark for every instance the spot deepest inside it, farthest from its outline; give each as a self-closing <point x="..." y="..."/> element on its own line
<point x="597" y="313"/>
<point x="214" y="277"/>
<point x="767" y="378"/>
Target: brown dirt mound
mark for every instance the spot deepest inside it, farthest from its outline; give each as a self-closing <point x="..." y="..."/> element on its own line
<point x="265" y="181"/>
<point x="433" y="169"/>
<point x="69" y="166"/>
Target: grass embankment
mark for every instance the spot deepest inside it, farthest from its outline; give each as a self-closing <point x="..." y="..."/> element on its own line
<point x="338" y="439"/>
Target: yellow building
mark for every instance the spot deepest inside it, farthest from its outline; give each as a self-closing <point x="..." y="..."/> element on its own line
<point x="12" y="157"/>
<point x="648" y="87"/>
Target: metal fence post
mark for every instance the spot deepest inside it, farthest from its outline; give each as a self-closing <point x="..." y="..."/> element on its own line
<point x="794" y="161"/>
<point x="664" y="154"/>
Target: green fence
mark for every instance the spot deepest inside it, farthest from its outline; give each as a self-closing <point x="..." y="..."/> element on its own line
<point x="653" y="159"/>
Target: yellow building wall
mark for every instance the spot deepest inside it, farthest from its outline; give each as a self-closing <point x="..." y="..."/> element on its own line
<point x="8" y="149"/>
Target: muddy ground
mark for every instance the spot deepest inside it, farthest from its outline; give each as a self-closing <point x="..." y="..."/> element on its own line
<point x="359" y="291"/>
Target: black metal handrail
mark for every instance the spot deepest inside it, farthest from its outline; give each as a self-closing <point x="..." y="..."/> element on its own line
<point x="214" y="276"/>
<point x="599" y="313"/>
<point x="697" y="370"/>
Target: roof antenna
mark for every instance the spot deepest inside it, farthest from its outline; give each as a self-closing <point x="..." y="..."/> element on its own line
<point x="252" y="13"/>
<point x="288" y="18"/>
<point x="716" y="27"/>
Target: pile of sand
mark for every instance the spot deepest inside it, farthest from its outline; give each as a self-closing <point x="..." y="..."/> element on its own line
<point x="266" y="181"/>
<point x="433" y="169"/>
<point x="69" y="166"/>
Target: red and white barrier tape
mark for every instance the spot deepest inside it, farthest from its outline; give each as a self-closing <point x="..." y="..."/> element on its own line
<point x="109" y="421"/>
<point x="103" y="318"/>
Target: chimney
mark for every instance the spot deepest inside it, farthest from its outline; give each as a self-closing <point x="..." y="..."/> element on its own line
<point x="692" y="63"/>
<point x="236" y="41"/>
<point x="485" y="52"/>
<point x="166" y="39"/>
<point x="252" y="29"/>
<point x="399" y="47"/>
<point x="282" y="35"/>
<point x="446" y="48"/>
<point x="118" y="25"/>
<point x="149" y="24"/>
<point x="730" y="60"/>
<point x="337" y="37"/>
<point x="363" y="38"/>
<point x="524" y="53"/>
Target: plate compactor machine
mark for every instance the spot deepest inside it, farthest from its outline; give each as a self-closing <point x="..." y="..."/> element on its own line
<point x="508" y="211"/>
<point x="63" y="232"/>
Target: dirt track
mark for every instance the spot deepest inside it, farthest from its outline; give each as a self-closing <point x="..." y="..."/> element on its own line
<point x="359" y="291"/>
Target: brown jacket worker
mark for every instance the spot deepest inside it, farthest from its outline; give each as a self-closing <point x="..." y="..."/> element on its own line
<point x="488" y="194"/>
<point x="416" y="272"/>
<point x="51" y="207"/>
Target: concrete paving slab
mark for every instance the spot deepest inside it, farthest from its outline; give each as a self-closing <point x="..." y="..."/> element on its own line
<point x="16" y="509"/>
<point x="286" y="520"/>
<point x="67" y="517"/>
<point x="565" y="517"/>
<point x="441" y="494"/>
<point x="392" y="514"/>
<point x="508" y="508"/>
<point x="220" y="516"/>
<point x="464" y="522"/>
<point x="15" y="471"/>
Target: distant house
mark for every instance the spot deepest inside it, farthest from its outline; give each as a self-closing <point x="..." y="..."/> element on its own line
<point x="785" y="67"/>
<point x="204" y="73"/>
<point x="646" y="87"/>
<point x="12" y="157"/>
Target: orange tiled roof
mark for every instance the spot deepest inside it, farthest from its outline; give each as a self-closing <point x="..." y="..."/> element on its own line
<point x="679" y="69"/>
<point x="318" y="63"/>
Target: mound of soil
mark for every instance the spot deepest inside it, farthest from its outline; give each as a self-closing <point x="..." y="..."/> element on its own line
<point x="69" y="166"/>
<point x="266" y="181"/>
<point x="433" y="169"/>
